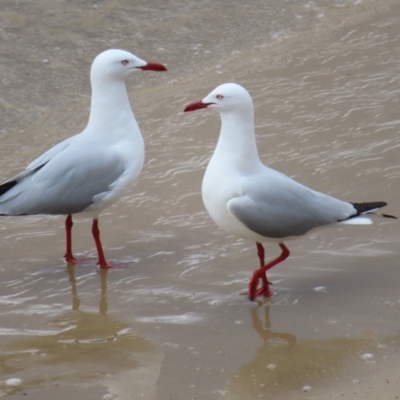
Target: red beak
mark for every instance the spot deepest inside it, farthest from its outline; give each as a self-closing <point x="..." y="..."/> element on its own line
<point x="153" y="66"/>
<point x="196" y="105"/>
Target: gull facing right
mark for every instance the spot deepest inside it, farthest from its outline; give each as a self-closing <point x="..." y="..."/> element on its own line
<point x="91" y="170"/>
<point x="252" y="201"/>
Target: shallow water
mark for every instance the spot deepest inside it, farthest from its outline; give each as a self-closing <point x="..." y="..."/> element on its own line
<point x="175" y="323"/>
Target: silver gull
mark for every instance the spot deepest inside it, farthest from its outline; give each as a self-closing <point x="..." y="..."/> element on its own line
<point x="255" y="202"/>
<point x="91" y="170"/>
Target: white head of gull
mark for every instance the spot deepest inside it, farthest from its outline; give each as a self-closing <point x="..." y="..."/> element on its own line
<point x="255" y="202"/>
<point x="93" y="169"/>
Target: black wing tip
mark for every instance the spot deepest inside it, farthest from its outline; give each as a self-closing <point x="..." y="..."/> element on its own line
<point x="5" y="187"/>
<point x="364" y="208"/>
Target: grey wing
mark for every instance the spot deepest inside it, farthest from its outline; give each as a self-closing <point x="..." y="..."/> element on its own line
<point x="40" y="161"/>
<point x="49" y="154"/>
<point x="282" y="207"/>
<point x="66" y="184"/>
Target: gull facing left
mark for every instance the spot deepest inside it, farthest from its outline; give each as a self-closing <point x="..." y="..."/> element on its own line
<point x="89" y="171"/>
<point x="255" y="202"/>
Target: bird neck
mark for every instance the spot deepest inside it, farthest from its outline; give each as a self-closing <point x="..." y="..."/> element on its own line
<point x="109" y="104"/>
<point x="237" y="142"/>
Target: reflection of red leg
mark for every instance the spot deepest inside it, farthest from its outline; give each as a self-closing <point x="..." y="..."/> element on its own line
<point x="261" y="273"/>
<point x="96" y="235"/>
<point x="68" y="230"/>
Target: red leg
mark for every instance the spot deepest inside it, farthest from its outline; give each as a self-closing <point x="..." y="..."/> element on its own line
<point x="261" y="254"/>
<point x="68" y="230"/>
<point x="96" y="235"/>
<point x="261" y="273"/>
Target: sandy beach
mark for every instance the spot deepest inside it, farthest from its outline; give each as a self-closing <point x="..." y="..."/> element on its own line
<point x="175" y="324"/>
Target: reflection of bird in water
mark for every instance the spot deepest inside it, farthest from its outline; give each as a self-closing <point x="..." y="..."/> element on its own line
<point x="265" y="332"/>
<point x="283" y="365"/>
<point x="76" y="302"/>
<point x="84" y="349"/>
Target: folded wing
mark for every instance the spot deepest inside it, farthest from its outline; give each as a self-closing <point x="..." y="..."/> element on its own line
<point x="64" y="180"/>
<point x="282" y="207"/>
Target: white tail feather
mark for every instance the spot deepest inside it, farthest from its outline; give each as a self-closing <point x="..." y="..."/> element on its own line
<point x="357" y="221"/>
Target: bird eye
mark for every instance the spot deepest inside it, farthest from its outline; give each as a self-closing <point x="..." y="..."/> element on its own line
<point x="219" y="96"/>
<point x="124" y="62"/>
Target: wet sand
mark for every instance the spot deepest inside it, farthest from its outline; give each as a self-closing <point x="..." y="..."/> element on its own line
<point x="175" y="323"/>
